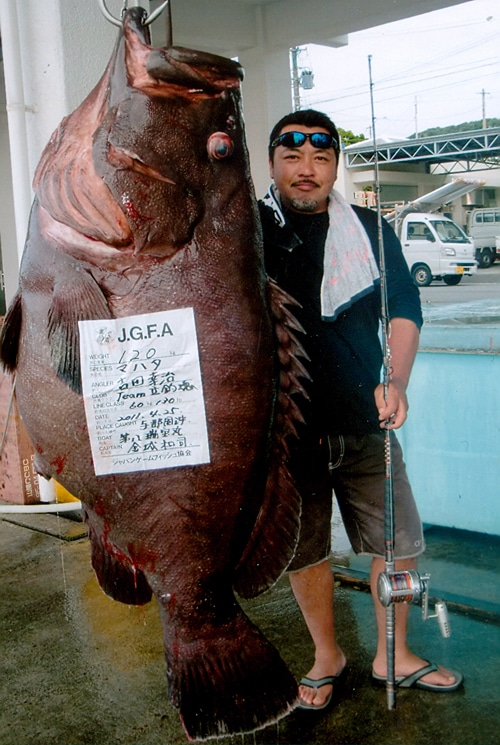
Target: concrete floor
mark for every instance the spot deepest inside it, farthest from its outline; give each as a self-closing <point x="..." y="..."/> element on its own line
<point x="79" y="668"/>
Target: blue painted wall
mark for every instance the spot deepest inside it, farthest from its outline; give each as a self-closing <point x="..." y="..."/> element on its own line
<point x="451" y="439"/>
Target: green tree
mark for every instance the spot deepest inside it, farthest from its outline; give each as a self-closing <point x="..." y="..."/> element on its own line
<point x="456" y="128"/>
<point x="349" y="138"/>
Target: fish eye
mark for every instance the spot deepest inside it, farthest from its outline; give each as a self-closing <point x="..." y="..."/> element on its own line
<point x="220" y="146"/>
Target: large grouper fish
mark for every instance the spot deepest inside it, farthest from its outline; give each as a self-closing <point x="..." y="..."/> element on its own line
<point x="144" y="204"/>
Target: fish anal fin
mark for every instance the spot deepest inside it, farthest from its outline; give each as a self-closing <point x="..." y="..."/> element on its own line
<point x="10" y="334"/>
<point x="78" y="298"/>
<point x="118" y="577"/>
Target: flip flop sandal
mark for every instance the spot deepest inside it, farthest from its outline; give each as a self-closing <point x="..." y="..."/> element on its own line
<point x="332" y="680"/>
<point x="414" y="680"/>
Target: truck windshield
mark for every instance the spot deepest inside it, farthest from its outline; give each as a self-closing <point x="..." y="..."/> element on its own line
<point x="449" y="232"/>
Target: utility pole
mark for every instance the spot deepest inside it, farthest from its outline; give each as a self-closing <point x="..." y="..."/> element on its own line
<point x="416" y="124"/>
<point x="295" y="78"/>
<point x="301" y="77"/>
<point x="483" y="94"/>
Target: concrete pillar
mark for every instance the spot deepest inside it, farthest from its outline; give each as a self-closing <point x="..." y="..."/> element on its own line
<point x="266" y="98"/>
<point x="267" y="95"/>
<point x="8" y="239"/>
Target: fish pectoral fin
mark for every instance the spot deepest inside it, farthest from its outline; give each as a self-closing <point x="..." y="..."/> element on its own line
<point x="76" y="299"/>
<point x="10" y="334"/>
<point x="119" y="580"/>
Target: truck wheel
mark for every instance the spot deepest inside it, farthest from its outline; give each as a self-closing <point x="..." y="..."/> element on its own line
<point x="452" y="279"/>
<point x="486" y="259"/>
<point x="421" y="275"/>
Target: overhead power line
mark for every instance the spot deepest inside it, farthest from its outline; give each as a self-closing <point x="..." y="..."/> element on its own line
<point x="359" y="91"/>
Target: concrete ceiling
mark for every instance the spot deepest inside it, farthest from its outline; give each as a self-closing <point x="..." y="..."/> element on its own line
<point x="229" y="26"/>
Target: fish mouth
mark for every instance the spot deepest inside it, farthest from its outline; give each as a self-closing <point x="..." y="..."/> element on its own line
<point x="186" y="71"/>
<point x="195" y="72"/>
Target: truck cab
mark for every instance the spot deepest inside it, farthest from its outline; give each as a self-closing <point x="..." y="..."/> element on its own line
<point x="436" y="248"/>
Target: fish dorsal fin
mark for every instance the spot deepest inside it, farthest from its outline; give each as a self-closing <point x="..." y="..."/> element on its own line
<point x="273" y="540"/>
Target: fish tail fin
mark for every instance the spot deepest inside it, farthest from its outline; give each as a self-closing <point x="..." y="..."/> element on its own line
<point x="118" y="577"/>
<point x="236" y="682"/>
<point x="10" y="334"/>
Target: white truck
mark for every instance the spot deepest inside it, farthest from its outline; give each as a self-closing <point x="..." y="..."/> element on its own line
<point x="435" y="248"/>
<point x="483" y="226"/>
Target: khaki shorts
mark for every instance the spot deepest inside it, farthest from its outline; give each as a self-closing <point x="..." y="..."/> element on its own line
<point x="353" y="467"/>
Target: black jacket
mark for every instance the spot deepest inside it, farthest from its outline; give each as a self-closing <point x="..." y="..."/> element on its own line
<point x="346" y="354"/>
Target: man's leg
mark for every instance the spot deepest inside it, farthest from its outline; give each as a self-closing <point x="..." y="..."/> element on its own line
<point x="405" y="662"/>
<point x="313" y="590"/>
<point x="359" y="486"/>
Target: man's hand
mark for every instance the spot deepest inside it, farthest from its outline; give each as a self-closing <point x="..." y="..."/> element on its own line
<point x="403" y="343"/>
<point x="393" y="412"/>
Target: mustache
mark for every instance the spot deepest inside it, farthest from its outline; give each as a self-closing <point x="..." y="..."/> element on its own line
<point x="305" y="181"/>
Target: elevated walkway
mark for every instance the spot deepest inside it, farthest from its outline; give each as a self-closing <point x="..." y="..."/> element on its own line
<point x="451" y="153"/>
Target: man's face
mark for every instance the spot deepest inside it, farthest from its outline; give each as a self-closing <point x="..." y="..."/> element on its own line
<point x="304" y="176"/>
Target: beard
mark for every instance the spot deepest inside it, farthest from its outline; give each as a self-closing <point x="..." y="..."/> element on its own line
<point x="304" y="204"/>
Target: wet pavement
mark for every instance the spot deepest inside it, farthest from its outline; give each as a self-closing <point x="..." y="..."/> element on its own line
<point x="79" y="668"/>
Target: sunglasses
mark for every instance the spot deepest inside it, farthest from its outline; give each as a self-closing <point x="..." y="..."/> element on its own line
<point x="296" y="139"/>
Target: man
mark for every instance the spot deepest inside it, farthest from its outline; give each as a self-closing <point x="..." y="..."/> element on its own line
<point x="324" y="252"/>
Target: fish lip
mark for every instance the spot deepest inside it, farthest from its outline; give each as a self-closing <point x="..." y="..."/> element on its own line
<point x="207" y="60"/>
<point x="196" y="71"/>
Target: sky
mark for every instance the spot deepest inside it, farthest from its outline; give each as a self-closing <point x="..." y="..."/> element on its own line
<point x="427" y="71"/>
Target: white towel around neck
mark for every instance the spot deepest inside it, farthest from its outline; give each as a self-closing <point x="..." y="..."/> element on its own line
<point x="349" y="267"/>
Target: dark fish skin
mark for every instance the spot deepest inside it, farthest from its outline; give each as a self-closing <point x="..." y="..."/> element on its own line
<point x="144" y="203"/>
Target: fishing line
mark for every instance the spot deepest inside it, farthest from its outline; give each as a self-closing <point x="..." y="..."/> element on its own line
<point x="61" y="551"/>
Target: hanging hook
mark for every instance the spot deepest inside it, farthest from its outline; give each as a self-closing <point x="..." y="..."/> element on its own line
<point x="108" y="15"/>
<point x="116" y="22"/>
<point x="154" y="15"/>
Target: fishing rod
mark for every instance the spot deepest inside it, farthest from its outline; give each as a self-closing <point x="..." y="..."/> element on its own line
<point x="406" y="586"/>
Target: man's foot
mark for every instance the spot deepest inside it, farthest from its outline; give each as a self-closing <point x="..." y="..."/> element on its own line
<point x="436" y="677"/>
<point x="332" y="682"/>
<point x="314" y="696"/>
<point x="419" y="679"/>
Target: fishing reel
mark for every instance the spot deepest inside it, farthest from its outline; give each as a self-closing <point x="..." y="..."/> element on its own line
<point x="410" y="587"/>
